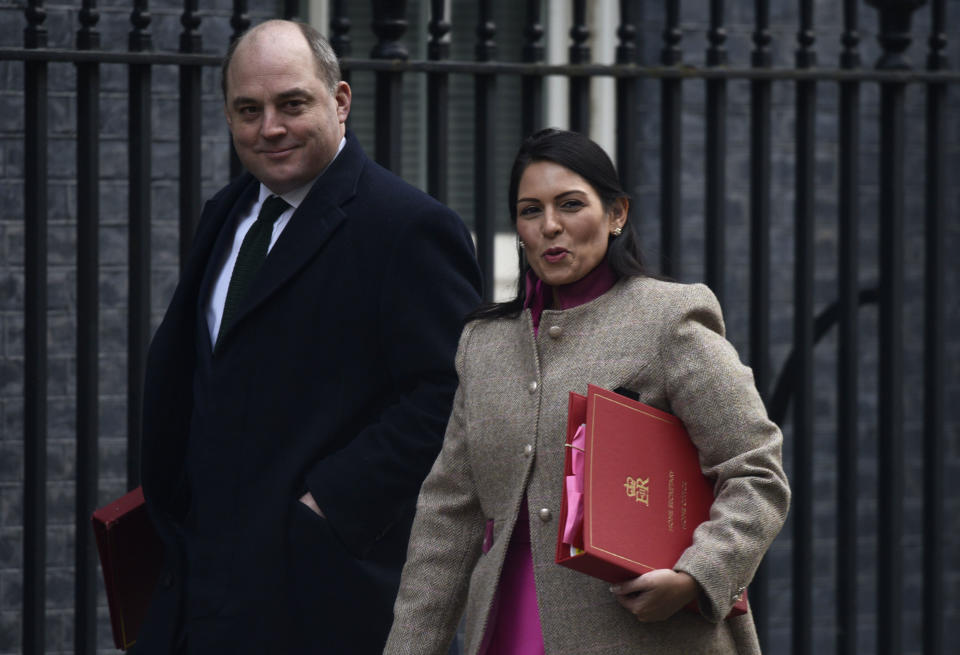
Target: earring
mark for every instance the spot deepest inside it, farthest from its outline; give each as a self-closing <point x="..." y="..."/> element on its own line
<point x="521" y="244"/>
<point x="617" y="231"/>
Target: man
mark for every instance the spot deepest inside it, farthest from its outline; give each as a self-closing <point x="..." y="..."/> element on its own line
<point x="294" y="404"/>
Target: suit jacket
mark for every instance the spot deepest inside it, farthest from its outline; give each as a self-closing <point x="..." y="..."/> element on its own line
<point x="505" y="439"/>
<point x="337" y="377"/>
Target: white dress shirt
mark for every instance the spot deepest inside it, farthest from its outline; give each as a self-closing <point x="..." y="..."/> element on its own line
<point x="218" y="294"/>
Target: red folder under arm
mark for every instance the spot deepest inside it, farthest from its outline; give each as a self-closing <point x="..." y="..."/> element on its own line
<point x="644" y="493"/>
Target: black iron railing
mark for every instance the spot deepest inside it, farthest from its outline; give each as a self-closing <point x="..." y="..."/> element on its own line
<point x="392" y="66"/>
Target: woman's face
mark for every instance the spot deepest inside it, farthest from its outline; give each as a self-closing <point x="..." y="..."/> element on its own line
<point x="562" y="222"/>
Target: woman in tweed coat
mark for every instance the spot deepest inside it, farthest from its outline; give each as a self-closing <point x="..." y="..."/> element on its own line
<point x="503" y="451"/>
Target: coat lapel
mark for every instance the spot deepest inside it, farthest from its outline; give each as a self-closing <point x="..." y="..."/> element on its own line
<point x="206" y="241"/>
<point x="226" y="229"/>
<point x="310" y="227"/>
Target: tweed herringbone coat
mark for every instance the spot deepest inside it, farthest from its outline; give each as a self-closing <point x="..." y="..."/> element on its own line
<point x="664" y="341"/>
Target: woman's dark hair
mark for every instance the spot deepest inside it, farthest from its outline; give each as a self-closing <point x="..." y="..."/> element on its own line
<point x="588" y="160"/>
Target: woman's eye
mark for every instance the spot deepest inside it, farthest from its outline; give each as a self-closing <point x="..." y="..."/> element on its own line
<point x="572" y="204"/>
<point x="529" y="210"/>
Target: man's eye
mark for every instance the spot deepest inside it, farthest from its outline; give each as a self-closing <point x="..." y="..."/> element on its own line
<point x="247" y="111"/>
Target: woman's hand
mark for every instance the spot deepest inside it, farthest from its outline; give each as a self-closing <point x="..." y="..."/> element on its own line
<point x="656" y="595"/>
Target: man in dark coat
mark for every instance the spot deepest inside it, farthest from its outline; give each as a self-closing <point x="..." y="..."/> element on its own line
<point x="294" y="403"/>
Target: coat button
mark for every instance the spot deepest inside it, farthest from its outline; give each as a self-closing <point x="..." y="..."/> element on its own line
<point x="528" y="450"/>
<point x="533" y="386"/>
<point x="545" y="514"/>
<point x="555" y="331"/>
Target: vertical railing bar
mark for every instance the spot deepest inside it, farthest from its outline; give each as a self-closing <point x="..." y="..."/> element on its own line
<point x="716" y="152"/>
<point x="890" y="428"/>
<point x="627" y="133"/>
<point x="140" y="128"/>
<point x="532" y="85"/>
<point x="579" y="85"/>
<point x="894" y="37"/>
<point x="803" y="310"/>
<point x="240" y="22"/>
<point x="848" y="219"/>
<point x="389" y="24"/>
<point x="760" y="97"/>
<point x="191" y="125"/>
<point x="239" y="19"/>
<point x="671" y="108"/>
<point x="485" y="86"/>
<point x="934" y="346"/>
<point x="88" y="300"/>
<point x="340" y="33"/>
<point x="438" y="104"/>
<point x="35" y="335"/>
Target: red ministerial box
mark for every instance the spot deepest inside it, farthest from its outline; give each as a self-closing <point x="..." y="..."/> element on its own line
<point x="130" y="556"/>
<point x="644" y="492"/>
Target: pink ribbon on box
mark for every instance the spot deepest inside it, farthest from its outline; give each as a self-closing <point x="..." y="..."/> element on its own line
<point x="573" y="528"/>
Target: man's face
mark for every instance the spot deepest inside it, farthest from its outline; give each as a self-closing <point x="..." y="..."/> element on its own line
<point x="286" y="123"/>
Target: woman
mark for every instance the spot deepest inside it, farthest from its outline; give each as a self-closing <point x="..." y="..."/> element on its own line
<point x="585" y="312"/>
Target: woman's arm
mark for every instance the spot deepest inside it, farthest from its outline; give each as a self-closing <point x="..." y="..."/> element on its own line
<point x="715" y="396"/>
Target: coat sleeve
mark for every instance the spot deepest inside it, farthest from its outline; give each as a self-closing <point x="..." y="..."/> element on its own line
<point x="430" y="281"/>
<point x="444" y="546"/>
<point x="714" y="394"/>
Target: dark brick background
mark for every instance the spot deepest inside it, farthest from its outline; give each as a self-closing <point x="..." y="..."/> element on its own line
<point x="114" y="26"/>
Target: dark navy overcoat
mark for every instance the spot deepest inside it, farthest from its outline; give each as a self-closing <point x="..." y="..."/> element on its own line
<point x="337" y="377"/>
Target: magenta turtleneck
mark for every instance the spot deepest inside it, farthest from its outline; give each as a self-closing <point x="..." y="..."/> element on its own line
<point x="514" y="624"/>
<point x="542" y="296"/>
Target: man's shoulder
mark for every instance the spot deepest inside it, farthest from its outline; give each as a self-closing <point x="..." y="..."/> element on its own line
<point x="377" y="183"/>
<point x="391" y="189"/>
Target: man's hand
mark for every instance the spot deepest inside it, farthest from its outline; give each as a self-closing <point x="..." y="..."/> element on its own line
<point x="307" y="499"/>
<point x="657" y="595"/>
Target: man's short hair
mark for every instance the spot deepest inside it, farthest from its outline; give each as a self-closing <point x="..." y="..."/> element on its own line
<point x="325" y="59"/>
